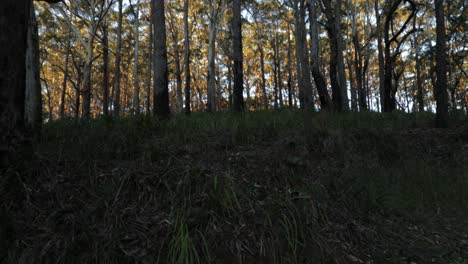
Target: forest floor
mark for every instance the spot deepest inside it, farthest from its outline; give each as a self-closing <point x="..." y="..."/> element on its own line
<point x="252" y="188"/>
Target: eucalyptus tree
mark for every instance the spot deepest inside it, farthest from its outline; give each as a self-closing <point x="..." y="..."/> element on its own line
<point x="216" y="11"/>
<point x="161" y="82"/>
<point x="332" y="11"/>
<point x="303" y="64"/>
<point x="319" y="79"/>
<point x="187" y="57"/>
<point x="441" y="66"/>
<point x="238" y="93"/>
<point x="394" y="38"/>
<point x="92" y="13"/>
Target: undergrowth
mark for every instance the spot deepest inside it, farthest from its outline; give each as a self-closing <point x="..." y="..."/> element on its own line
<point x="244" y="188"/>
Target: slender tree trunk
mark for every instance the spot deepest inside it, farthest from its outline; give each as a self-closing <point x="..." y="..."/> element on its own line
<point x="325" y="100"/>
<point x="161" y="89"/>
<point x="354" y="99"/>
<point x="87" y="86"/>
<point x="305" y="83"/>
<point x="33" y="96"/>
<point x="136" y="81"/>
<point x="78" y="89"/>
<point x="178" y="75"/>
<point x="150" y="67"/>
<point x="275" y="74"/>
<point x="211" y="107"/>
<point x="238" y="98"/>
<point x="332" y="30"/>
<point x="187" y="57"/>
<point x="230" y="84"/>
<point x="65" y="75"/>
<point x="105" y="68"/>
<point x="278" y="71"/>
<point x="118" y="59"/>
<point x="419" y="87"/>
<point x="441" y="67"/>
<point x="262" y="70"/>
<point x="340" y="58"/>
<point x="289" y="67"/>
<point x="381" y="56"/>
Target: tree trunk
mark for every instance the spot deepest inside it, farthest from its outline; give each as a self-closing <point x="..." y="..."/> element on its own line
<point x="275" y="74"/>
<point x="118" y="59"/>
<point x="262" y="70"/>
<point x="13" y="42"/>
<point x="150" y="68"/>
<point x="105" y="69"/>
<point x="238" y="100"/>
<point x="278" y="71"/>
<point x="65" y="76"/>
<point x="211" y="104"/>
<point x="187" y="58"/>
<point x="136" y="81"/>
<point x="161" y="89"/>
<point x="354" y="99"/>
<point x="33" y="96"/>
<point x="441" y="67"/>
<point x="381" y="56"/>
<point x="332" y="30"/>
<point x="340" y="59"/>
<point x="87" y="85"/>
<point x="290" y="89"/>
<point x="325" y="100"/>
<point x="305" y="83"/>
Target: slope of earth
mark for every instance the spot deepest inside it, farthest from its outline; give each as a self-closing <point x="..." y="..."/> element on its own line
<point x="256" y="188"/>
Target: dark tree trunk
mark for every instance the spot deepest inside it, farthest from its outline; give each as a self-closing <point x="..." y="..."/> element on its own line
<point x="381" y="56"/>
<point x="150" y="68"/>
<point x="187" y="58"/>
<point x="65" y="75"/>
<point x="441" y="67"/>
<point x="118" y="59"/>
<point x="332" y="29"/>
<point x="33" y="96"/>
<point x="14" y="16"/>
<point x="262" y="69"/>
<point x="290" y="89"/>
<point x="161" y="89"/>
<point x="390" y="57"/>
<point x="275" y="74"/>
<point x="304" y="79"/>
<point x="325" y="100"/>
<point x="238" y="100"/>
<point x="105" y="69"/>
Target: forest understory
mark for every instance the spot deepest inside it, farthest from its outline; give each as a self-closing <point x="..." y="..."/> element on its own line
<point x="247" y="188"/>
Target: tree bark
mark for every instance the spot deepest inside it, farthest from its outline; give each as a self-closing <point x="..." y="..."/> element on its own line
<point x="65" y="76"/>
<point x="14" y="16"/>
<point x="187" y="58"/>
<point x="33" y="96"/>
<point x="262" y="72"/>
<point x="289" y="68"/>
<point x="340" y="58"/>
<point x="118" y="59"/>
<point x="305" y="83"/>
<point x="325" y="100"/>
<point x="441" y="67"/>
<point x="149" y="65"/>
<point x="238" y="98"/>
<point x="380" y="55"/>
<point x="105" y="69"/>
<point x="161" y="89"/>
<point x="211" y="97"/>
<point x="136" y="81"/>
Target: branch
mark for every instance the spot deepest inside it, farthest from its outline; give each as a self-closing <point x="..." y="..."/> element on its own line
<point x="50" y="1"/>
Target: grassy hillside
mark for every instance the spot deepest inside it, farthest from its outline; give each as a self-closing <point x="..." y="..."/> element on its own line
<point x="252" y="188"/>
